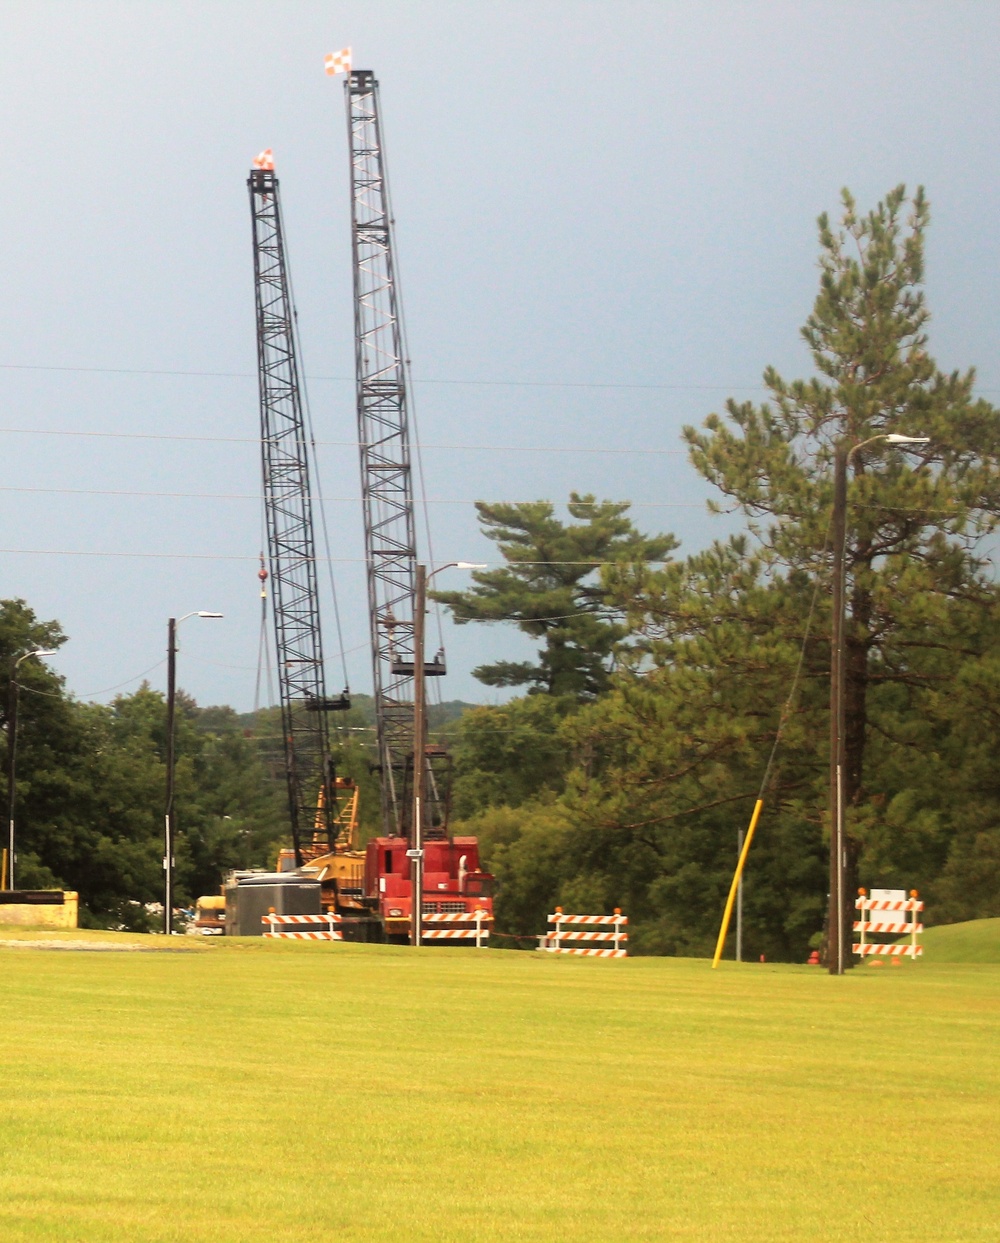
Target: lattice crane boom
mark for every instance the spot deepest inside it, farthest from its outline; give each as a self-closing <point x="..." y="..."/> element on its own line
<point x="290" y="532"/>
<point x="384" y="438"/>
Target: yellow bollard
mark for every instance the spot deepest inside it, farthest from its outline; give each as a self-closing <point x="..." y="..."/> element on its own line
<point x="736" y="880"/>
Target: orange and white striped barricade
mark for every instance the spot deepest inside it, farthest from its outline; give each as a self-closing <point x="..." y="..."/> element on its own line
<point x="894" y="913"/>
<point x="462" y="926"/>
<point x="561" y="941"/>
<point x="290" y="927"/>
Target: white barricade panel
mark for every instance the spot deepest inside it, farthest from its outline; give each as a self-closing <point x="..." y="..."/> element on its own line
<point x="566" y="932"/>
<point x="887" y="913"/>
<point x="289" y="927"/>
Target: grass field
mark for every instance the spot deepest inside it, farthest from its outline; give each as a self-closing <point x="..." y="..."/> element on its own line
<point x="243" y="1090"/>
<point x="978" y="941"/>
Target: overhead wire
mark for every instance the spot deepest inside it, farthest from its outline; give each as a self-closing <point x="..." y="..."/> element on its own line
<point x="340" y="379"/>
<point x="471" y="383"/>
<point x="783" y="719"/>
<point x="214" y="556"/>
<point x="334" y="500"/>
<point x="105" y="691"/>
<point x="347" y="444"/>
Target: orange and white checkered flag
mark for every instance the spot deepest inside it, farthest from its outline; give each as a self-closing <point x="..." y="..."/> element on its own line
<point x="265" y="160"/>
<point x="338" y="62"/>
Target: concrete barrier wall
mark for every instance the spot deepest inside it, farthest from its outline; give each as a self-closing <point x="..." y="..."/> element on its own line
<point x="37" y="915"/>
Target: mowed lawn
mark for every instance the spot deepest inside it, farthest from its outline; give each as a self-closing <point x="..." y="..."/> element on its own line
<point x="243" y="1090"/>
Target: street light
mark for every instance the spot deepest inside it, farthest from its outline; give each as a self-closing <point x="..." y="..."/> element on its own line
<point x="14" y="690"/>
<point x="416" y="851"/>
<point x="168" y="818"/>
<point x="842" y="461"/>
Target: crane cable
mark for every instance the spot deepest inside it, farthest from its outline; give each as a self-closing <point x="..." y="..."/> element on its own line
<point x="307" y="409"/>
<point x="408" y="370"/>
<point x="263" y="648"/>
<point x="782" y="722"/>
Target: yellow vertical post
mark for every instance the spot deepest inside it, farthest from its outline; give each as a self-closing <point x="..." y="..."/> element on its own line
<point x="736" y="880"/>
<point x="3" y="870"/>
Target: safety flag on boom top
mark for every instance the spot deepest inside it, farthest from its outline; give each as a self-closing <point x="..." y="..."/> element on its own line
<point x="338" y="62"/>
<point x="265" y="160"/>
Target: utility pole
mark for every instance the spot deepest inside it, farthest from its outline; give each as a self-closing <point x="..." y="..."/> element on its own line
<point x="14" y="690"/>
<point x="11" y="762"/>
<point x="835" y="940"/>
<point x="420" y="671"/>
<point x="416" y="851"/>
<point x="168" y="819"/>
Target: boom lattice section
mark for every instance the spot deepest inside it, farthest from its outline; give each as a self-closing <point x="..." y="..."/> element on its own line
<point x="383" y="434"/>
<point x="291" y="541"/>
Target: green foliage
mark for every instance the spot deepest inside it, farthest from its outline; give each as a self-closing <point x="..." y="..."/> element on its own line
<point x="551" y="589"/>
<point x="91" y="785"/>
<point x="531" y="850"/>
<point x="916" y="520"/>
<point x="668" y="761"/>
<point x="666" y="682"/>
<point x="510" y="754"/>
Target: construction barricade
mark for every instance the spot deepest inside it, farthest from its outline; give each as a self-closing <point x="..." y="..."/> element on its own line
<point x="565" y="935"/>
<point x="894" y="914"/>
<point x="289" y="927"/>
<point x="463" y="928"/>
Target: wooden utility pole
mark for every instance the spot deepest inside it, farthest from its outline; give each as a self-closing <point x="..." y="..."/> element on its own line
<point x="417" y="836"/>
<point x="835" y="942"/>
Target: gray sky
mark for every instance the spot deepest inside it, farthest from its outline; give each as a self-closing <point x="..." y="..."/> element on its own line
<point x="606" y="225"/>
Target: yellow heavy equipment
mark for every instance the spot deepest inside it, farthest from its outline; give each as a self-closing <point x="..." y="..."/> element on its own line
<point x="341" y="870"/>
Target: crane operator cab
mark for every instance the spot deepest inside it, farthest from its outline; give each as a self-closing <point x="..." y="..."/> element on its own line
<point x="453" y="883"/>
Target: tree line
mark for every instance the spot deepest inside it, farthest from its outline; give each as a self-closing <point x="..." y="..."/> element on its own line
<point x="621" y="772"/>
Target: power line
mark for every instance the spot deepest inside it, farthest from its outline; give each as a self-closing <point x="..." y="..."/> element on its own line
<point x="332" y="500"/>
<point x="356" y="500"/>
<point x="654" y="386"/>
<point x="430" y="380"/>
<point x="342" y="444"/>
<point x="217" y="556"/>
<point x="105" y="691"/>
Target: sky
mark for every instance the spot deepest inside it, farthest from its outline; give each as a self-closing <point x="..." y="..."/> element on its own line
<point x="606" y="225"/>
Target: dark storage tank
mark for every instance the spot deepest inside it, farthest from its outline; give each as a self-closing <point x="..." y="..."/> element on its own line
<point x="252" y="895"/>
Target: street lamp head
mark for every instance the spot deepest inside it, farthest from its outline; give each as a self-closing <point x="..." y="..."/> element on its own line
<point x="894" y="438"/>
<point x="470" y="565"/>
<point x="37" y="651"/>
<point x="194" y="613"/>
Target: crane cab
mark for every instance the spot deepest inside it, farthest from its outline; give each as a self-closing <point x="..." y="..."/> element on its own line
<point x="453" y="882"/>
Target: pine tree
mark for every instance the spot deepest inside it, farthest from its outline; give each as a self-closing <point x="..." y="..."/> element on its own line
<point x="672" y="757"/>
<point x="551" y="589"/>
<point x="916" y="522"/>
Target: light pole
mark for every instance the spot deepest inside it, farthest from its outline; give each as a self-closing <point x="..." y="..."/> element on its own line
<point x="416" y="851"/>
<point x="842" y="461"/>
<point x="168" y="817"/>
<point x="12" y="754"/>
